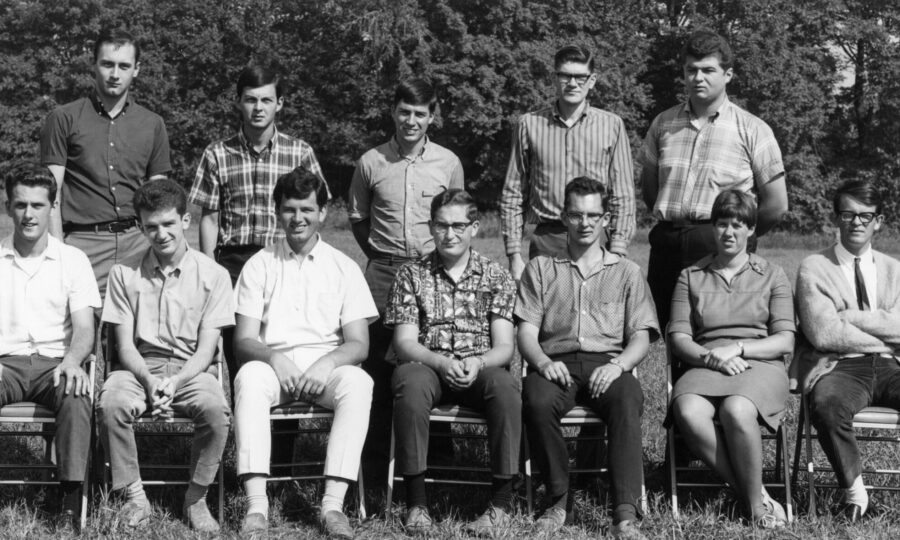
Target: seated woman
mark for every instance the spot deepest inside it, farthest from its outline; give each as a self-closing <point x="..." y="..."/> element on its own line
<point x="732" y="323"/>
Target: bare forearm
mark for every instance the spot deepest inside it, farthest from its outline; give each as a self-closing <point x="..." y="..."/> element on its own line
<point x="636" y="350"/>
<point x="209" y="232"/>
<point x="349" y="353"/>
<point x="769" y="348"/>
<point x="412" y="351"/>
<point x="499" y="355"/>
<point x="533" y="353"/>
<point x="361" y="231"/>
<point x="131" y="360"/>
<point x="79" y="349"/>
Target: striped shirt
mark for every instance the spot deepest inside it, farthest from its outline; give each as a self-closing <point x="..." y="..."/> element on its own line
<point x="691" y="164"/>
<point x="547" y="155"/>
<point x="236" y="181"/>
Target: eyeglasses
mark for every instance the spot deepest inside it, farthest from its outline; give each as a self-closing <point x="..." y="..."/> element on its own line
<point x="458" y="227"/>
<point x="864" y="217"/>
<point x="577" y="217"/>
<point x="580" y="78"/>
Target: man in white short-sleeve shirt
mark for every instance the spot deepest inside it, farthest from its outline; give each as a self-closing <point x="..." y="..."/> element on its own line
<point x="303" y="310"/>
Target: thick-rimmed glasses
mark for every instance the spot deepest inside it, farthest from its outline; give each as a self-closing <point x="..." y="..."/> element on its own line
<point x="864" y="217"/>
<point x="459" y="227"/>
<point x="580" y="78"/>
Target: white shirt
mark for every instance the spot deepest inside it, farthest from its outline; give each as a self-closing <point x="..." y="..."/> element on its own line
<point x="38" y="295"/>
<point x="302" y="303"/>
<point x="866" y="266"/>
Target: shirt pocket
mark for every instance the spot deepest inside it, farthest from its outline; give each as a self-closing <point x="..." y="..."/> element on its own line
<point x="606" y="320"/>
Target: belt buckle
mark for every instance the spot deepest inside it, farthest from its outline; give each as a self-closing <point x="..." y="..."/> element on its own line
<point x="117" y="226"/>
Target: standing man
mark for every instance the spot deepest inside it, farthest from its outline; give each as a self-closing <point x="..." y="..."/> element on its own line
<point x="167" y="307"/>
<point x="390" y="204"/>
<point x="49" y="295"/>
<point x="553" y="145"/>
<point x="696" y="150"/>
<point x="848" y="302"/>
<point x="586" y="321"/>
<point x="101" y="149"/>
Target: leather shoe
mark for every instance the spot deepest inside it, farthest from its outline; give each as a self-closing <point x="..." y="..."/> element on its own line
<point x="851" y="513"/>
<point x="336" y="525"/>
<point x="492" y="522"/>
<point x="552" y="520"/>
<point x="418" y="521"/>
<point x="254" y="527"/>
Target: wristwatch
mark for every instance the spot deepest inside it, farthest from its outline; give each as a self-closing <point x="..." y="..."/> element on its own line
<point x="618" y="363"/>
<point x="741" y="345"/>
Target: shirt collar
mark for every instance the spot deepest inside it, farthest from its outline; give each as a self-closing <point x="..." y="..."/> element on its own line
<point x="585" y="107"/>
<point x="101" y="110"/>
<point x="151" y="263"/>
<point x="724" y="107"/>
<point x="287" y="253"/>
<point x="609" y="258"/>
<point x="395" y="147"/>
<point x="52" y="251"/>
<point x="473" y="266"/>
<point x="845" y="257"/>
<point x="245" y="144"/>
<point x="755" y="262"/>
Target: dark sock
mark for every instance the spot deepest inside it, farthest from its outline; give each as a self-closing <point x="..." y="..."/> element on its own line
<point x="561" y="501"/>
<point x="502" y="489"/>
<point x="70" y="493"/>
<point x="624" y="512"/>
<point x="415" y="490"/>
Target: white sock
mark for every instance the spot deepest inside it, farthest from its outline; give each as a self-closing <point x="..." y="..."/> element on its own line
<point x="856" y="494"/>
<point x="255" y="489"/>
<point x="135" y="492"/>
<point x="335" y="490"/>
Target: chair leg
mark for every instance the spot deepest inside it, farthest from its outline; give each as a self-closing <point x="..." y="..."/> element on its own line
<point x="798" y="446"/>
<point x="526" y="455"/>
<point x="673" y="485"/>
<point x="785" y="473"/>
<point x="389" y="496"/>
<point x="361" y="493"/>
<point x="221" y="496"/>
<point x="806" y="428"/>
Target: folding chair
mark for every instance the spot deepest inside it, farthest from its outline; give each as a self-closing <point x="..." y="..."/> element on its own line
<point x="779" y="471"/>
<point x="303" y="411"/>
<point x="27" y="412"/>
<point x="872" y="418"/>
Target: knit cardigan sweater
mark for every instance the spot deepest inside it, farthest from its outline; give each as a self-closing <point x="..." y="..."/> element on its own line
<point x="833" y="325"/>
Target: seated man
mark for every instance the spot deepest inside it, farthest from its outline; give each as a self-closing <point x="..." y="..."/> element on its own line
<point x="303" y="310"/>
<point x="585" y="321"/>
<point x="453" y="333"/>
<point x="167" y="307"/>
<point x="48" y="293"/>
<point x="848" y="302"/>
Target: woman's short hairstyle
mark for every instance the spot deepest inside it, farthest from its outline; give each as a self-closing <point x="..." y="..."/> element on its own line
<point x="299" y="184"/>
<point x="452" y="197"/>
<point x="862" y="191"/>
<point x="734" y="204"/>
<point x="583" y="186"/>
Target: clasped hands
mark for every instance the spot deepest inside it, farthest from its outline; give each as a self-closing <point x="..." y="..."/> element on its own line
<point x="160" y="393"/>
<point x="302" y="385"/>
<point x="460" y="374"/>
<point x="726" y="359"/>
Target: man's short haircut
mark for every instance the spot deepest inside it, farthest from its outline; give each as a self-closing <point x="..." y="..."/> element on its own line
<point x="30" y="174"/>
<point x="416" y="92"/>
<point x="861" y="190"/>
<point x="159" y="196"/>
<point x="298" y="184"/>
<point x="452" y="197"/>
<point x="584" y="186"/>
<point x="576" y="54"/>
<point x="254" y="76"/>
<point x="118" y="37"/>
<point x="703" y="43"/>
<point x="734" y="204"/>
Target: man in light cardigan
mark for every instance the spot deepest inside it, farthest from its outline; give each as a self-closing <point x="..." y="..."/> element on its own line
<point x="848" y="301"/>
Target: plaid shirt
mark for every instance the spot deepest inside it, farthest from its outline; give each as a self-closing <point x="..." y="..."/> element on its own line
<point x="692" y="164"/>
<point x="453" y="318"/>
<point x="237" y="182"/>
<point x="596" y="313"/>
<point x="547" y="155"/>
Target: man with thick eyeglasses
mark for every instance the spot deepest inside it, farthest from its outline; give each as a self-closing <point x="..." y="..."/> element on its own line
<point x="451" y="312"/>
<point x="848" y="303"/>
<point x="694" y="151"/>
<point x="551" y="146"/>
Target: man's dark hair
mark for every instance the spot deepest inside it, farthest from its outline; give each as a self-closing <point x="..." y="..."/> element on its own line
<point x="703" y="43"/>
<point x="30" y="174"/>
<point x="298" y="184"/>
<point x="734" y="204"/>
<point x="416" y="92"/>
<point x="118" y="37"/>
<point x="255" y="76"/>
<point x="159" y="195"/>
<point x="583" y="186"/>
<point x="862" y="191"/>
<point x="452" y="197"/>
<point x="576" y="54"/>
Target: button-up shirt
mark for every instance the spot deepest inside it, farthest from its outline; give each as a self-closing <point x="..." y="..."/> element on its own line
<point x="394" y="192"/>
<point x="302" y="303"/>
<point x="598" y="313"/>
<point x="692" y="163"/>
<point x="106" y="159"/>
<point x="237" y="181"/>
<point x="168" y="310"/>
<point x="453" y="317"/>
<point x="866" y="266"/>
<point x="547" y="154"/>
<point x="38" y="296"/>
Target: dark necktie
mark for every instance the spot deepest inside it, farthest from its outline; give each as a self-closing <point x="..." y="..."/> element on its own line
<point x="862" y="299"/>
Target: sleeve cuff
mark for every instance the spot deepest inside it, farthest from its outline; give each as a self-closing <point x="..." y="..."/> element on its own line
<point x="619" y="246"/>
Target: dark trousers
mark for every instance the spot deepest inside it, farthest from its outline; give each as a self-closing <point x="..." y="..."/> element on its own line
<point x="545" y="403"/>
<point x="418" y="388"/>
<point x="30" y="378"/>
<point x="854" y="383"/>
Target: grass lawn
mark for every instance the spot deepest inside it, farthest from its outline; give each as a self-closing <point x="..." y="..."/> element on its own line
<point x="705" y="513"/>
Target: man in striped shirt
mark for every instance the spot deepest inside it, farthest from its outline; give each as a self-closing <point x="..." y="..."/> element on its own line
<point x="553" y="145"/>
<point x="695" y="150"/>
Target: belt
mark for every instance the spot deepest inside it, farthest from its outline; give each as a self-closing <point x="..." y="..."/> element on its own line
<point x="849" y="356"/>
<point x="682" y="223"/>
<point x="117" y="226"/>
<point x="391" y="259"/>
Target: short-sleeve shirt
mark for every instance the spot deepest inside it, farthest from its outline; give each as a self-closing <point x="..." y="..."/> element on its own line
<point x="596" y="313"/>
<point x="237" y="181"/>
<point x="302" y="303"/>
<point x="693" y="164"/>
<point x="168" y="311"/>
<point x="38" y="296"/>
<point x="394" y="192"/>
<point x="454" y="318"/>
<point x="106" y="159"/>
<point x="756" y="304"/>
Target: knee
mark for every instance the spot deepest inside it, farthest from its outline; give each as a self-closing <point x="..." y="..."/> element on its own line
<point x="537" y="396"/>
<point x="251" y="378"/>
<point x="738" y="412"/>
<point x="690" y="409"/>
<point x="116" y="407"/>
<point x="411" y="381"/>
<point x="627" y="396"/>
<point x="825" y="410"/>
<point x="501" y="387"/>
<point x="354" y="384"/>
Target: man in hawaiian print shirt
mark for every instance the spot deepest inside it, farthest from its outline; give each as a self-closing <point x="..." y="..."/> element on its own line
<point x="453" y="334"/>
